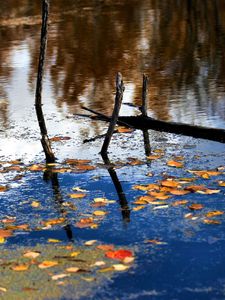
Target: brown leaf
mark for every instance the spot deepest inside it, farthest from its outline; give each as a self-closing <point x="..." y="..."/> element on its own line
<point x="179" y="192"/>
<point x="59" y="138"/>
<point x="4" y="233"/>
<point x="77" y="161"/>
<point x="195" y="188"/>
<point x="86" y="222"/>
<point x="105" y="247"/>
<point x="154" y="157"/>
<point x="122" y="129"/>
<point x="3" y="188"/>
<point x="195" y="206"/>
<point x="221" y="183"/>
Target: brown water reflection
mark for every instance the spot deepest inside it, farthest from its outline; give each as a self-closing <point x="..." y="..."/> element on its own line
<point x="178" y="43"/>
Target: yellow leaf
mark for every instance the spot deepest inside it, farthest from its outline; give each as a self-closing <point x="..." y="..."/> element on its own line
<point x="2" y="240"/>
<point x="47" y="264"/>
<point x="31" y="254"/>
<point x="120" y="267"/>
<point x="109" y="269"/>
<point x="54" y="221"/>
<point x="77" y="195"/>
<point x="77" y="189"/>
<point x="221" y="183"/>
<point x="75" y="254"/>
<point x="128" y="260"/>
<point x="54" y="241"/>
<point x="176" y="164"/>
<point x="136" y="208"/>
<point x="211" y="214"/>
<point x="20" y="268"/>
<point x="35" y="204"/>
<point x="99" y="213"/>
<point x="2" y="289"/>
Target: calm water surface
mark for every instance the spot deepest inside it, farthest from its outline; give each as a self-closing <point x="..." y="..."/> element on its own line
<point x="180" y="45"/>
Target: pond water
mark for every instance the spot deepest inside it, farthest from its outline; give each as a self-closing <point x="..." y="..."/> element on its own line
<point x="180" y="46"/>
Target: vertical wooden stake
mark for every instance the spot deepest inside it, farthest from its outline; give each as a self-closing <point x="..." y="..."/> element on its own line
<point x="38" y="95"/>
<point x="144" y="106"/>
<point x="118" y="101"/>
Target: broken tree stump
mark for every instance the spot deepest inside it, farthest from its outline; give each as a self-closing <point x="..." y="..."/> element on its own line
<point x="38" y="95"/>
<point x="113" y="120"/>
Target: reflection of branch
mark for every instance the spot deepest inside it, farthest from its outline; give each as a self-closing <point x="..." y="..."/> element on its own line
<point x="49" y="175"/>
<point x="122" y="197"/>
<point x="38" y="99"/>
<point x="146" y="142"/>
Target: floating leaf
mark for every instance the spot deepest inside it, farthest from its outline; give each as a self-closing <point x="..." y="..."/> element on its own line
<point x="221" y="183"/>
<point x="145" y="199"/>
<point x="47" y="264"/>
<point x="86" y="222"/>
<point x="75" y="253"/>
<point x="109" y="269"/>
<point x="2" y="240"/>
<point x="159" y="195"/>
<point x="77" y="189"/>
<point x="154" y="157"/>
<point x="170" y="183"/>
<point x="105" y="247"/>
<point x="214" y="213"/>
<point x="99" y="263"/>
<point x="136" y="208"/>
<point x="4" y="233"/>
<point x="179" y="192"/>
<point x="8" y="220"/>
<point x="160" y="207"/>
<point x="176" y="164"/>
<point x="90" y="243"/>
<point x="72" y="270"/>
<point x="120" y="267"/>
<point x="36" y="168"/>
<point x="211" y="222"/>
<point x="54" y="221"/>
<point x="53" y="241"/>
<point x="2" y="289"/>
<point x="77" y="161"/>
<point x="179" y="202"/>
<point x="19" y="268"/>
<point x="77" y="195"/>
<point x="128" y="260"/>
<point x="59" y="138"/>
<point x="156" y="242"/>
<point x="85" y="167"/>
<point x="35" y="204"/>
<point x="31" y="254"/>
<point x="122" y="129"/>
<point x="195" y="188"/>
<point x="195" y="206"/>
<point x="209" y="192"/>
<point x="118" y="254"/>
<point x="59" y="276"/>
<point x="3" y="188"/>
<point x="99" y="213"/>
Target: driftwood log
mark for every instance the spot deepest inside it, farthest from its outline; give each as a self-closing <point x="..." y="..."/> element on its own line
<point x="144" y="123"/>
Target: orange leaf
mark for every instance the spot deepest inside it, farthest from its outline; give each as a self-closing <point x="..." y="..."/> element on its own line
<point x="211" y="222"/>
<point x="211" y="214"/>
<point x="154" y="157"/>
<point x="85" y="167"/>
<point x="47" y="264"/>
<point x="105" y="247"/>
<point x="118" y="254"/>
<point x="77" y="195"/>
<point x="4" y="233"/>
<point x="77" y="161"/>
<point x="221" y="183"/>
<point x="176" y="164"/>
<point x="170" y="183"/>
<point x="122" y="129"/>
<point x="179" y="192"/>
<point x="146" y="199"/>
<point x="179" y="202"/>
<point x="20" y="267"/>
<point x="195" y="206"/>
<point x="54" y="221"/>
<point x="137" y="208"/>
<point x="59" y="138"/>
<point x="3" y="188"/>
<point x="195" y="188"/>
<point x="159" y="195"/>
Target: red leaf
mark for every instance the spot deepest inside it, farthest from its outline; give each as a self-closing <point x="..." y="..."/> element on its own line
<point x="118" y="254"/>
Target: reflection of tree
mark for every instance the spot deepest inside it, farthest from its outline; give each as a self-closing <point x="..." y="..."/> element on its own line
<point x="178" y="43"/>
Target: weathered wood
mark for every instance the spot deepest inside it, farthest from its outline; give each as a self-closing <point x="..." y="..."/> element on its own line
<point x="115" y="114"/>
<point x="140" y="122"/>
<point x="38" y="95"/>
<point x="144" y="107"/>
